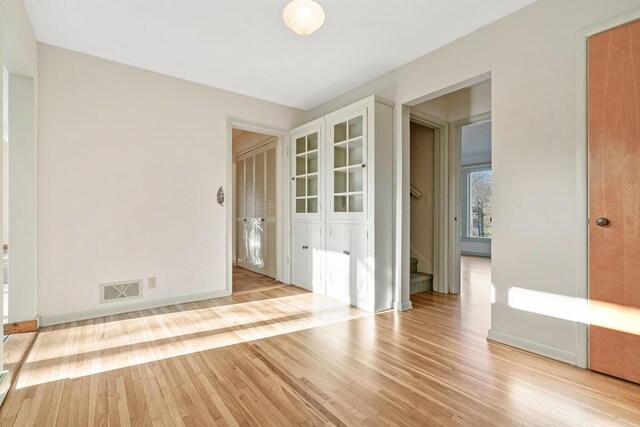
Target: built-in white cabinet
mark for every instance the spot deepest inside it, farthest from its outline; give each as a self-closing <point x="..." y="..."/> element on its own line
<point x="341" y="184"/>
<point x="308" y="270"/>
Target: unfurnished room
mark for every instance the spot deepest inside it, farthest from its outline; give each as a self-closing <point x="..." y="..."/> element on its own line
<point x="320" y="212"/>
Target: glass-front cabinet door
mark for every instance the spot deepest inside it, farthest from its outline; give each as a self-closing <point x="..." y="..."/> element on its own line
<point x="347" y="166"/>
<point x="307" y="173"/>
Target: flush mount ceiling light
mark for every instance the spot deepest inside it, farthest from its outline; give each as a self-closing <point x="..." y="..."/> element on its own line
<point x="303" y="16"/>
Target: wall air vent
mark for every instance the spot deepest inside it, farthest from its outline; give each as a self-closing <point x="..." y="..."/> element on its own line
<point x="120" y="290"/>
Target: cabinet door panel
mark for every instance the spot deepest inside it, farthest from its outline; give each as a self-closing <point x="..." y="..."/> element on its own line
<point x="316" y="258"/>
<point x="339" y="263"/>
<point x="299" y="256"/>
<point x="360" y="268"/>
<point x="346" y="165"/>
<point x="307" y="171"/>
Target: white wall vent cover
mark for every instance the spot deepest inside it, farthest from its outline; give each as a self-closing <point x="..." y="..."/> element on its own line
<point x="120" y="290"/>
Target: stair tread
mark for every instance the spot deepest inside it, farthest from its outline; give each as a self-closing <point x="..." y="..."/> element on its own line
<point x="420" y="277"/>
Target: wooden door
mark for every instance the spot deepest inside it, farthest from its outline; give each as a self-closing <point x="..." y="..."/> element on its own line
<point x="614" y="201"/>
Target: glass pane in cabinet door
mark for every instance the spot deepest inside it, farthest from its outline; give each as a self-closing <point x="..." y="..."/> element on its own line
<point x="340" y="156"/>
<point x="312" y="186"/>
<point x="340" y="203"/>
<point x="301" y="146"/>
<point x="356" y="203"/>
<point x="355" y="152"/>
<point x="312" y="162"/>
<point x="355" y="179"/>
<point x="301" y="205"/>
<point x="312" y="205"/>
<point x="340" y="132"/>
<point x="301" y="187"/>
<point x="301" y="166"/>
<point x="355" y="127"/>
<point x="312" y="142"/>
<point x="340" y="182"/>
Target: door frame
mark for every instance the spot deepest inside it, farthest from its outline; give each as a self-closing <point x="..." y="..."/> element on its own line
<point x="440" y="150"/>
<point x="455" y="198"/>
<point x="283" y="221"/>
<point x="402" y="236"/>
<point x="582" y="176"/>
<point x="241" y="155"/>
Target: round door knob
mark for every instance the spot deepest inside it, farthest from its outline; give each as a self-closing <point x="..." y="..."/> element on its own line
<point x="602" y="222"/>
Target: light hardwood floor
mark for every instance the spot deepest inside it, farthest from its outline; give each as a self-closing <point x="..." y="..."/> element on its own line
<point x="287" y="357"/>
<point x="247" y="281"/>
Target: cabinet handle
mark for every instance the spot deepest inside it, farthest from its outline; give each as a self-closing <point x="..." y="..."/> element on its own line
<point x="346" y="252"/>
<point x="363" y="165"/>
<point x="305" y="247"/>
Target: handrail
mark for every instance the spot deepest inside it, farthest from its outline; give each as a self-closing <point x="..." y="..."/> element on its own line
<point x="413" y="192"/>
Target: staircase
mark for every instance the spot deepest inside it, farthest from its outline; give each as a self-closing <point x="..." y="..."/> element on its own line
<point x="420" y="282"/>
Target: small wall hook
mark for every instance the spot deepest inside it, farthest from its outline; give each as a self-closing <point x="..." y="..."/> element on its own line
<point x="220" y="196"/>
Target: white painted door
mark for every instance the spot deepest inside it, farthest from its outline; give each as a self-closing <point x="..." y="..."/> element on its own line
<point x="299" y="256"/>
<point x="316" y="258"/>
<point x="347" y="268"/>
<point x="339" y="263"/>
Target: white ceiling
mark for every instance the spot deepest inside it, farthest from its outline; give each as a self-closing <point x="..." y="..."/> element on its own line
<point x="243" y="45"/>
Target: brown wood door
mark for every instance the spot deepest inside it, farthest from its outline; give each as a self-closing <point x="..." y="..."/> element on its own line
<point x="614" y="194"/>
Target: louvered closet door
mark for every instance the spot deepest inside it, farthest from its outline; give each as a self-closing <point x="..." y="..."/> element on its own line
<point x="256" y="195"/>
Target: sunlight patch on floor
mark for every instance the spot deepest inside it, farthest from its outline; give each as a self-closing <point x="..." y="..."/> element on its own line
<point x="125" y="343"/>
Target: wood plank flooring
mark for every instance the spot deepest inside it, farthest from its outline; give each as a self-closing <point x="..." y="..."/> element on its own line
<point x="284" y="356"/>
<point x="247" y="281"/>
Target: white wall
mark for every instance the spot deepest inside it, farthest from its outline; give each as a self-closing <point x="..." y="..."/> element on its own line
<point x="532" y="57"/>
<point x="17" y="55"/>
<point x="22" y="199"/>
<point x="129" y="165"/>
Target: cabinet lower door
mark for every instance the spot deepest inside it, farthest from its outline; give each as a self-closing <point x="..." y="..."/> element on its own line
<point x="347" y="267"/>
<point x="316" y="258"/>
<point x="299" y="255"/>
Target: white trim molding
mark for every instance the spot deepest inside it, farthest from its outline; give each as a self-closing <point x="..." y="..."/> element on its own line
<point x="283" y="255"/>
<point x="77" y="316"/>
<point x="532" y="347"/>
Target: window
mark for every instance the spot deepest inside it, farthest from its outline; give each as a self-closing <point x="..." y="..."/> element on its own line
<point x="477" y="206"/>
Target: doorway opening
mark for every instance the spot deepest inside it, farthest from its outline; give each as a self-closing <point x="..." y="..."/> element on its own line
<point x="449" y="188"/>
<point x="255" y="210"/>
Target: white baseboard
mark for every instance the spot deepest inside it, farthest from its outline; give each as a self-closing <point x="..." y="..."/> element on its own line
<point x="76" y="316"/>
<point x="403" y="306"/>
<point x="533" y="347"/>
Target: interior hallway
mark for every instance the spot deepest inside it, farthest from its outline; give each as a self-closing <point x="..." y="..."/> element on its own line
<point x="247" y="281"/>
<point x="285" y="356"/>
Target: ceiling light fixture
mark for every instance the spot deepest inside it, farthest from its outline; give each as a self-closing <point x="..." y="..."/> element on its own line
<point x="303" y="16"/>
